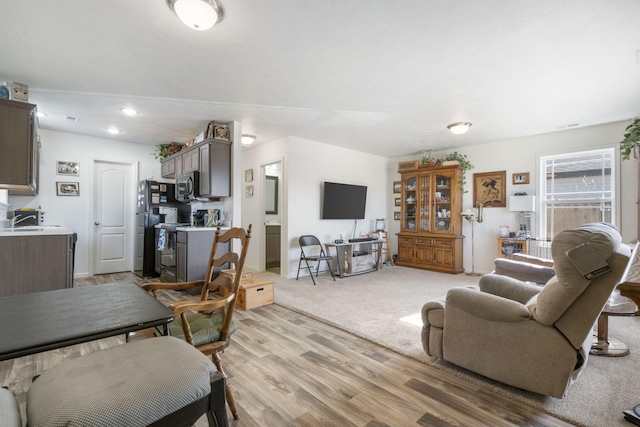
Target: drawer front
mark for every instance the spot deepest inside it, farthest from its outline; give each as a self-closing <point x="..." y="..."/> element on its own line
<point x="441" y="242"/>
<point x="423" y="241"/>
<point x="405" y="240"/>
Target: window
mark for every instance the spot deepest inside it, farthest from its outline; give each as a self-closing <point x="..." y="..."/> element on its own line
<point x="576" y="188"/>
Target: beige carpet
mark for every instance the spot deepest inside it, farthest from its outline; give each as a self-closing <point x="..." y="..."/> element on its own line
<point x="384" y="307"/>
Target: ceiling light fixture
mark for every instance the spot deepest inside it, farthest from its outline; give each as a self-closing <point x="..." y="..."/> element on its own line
<point x="247" y="139"/>
<point x="197" y="14"/>
<point x="459" y="128"/>
<point x="41" y="114"/>
<point x="113" y="131"/>
<point x="129" y="111"/>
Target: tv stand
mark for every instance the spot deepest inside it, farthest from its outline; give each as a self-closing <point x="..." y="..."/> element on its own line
<point x="356" y="257"/>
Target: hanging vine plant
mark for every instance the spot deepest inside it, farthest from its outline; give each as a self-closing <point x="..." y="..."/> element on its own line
<point x="631" y="140"/>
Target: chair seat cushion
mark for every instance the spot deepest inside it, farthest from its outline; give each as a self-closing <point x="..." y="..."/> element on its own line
<point x="133" y="384"/>
<point x="9" y="409"/>
<point x="205" y="328"/>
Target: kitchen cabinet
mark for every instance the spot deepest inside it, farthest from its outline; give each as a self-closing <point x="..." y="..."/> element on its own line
<point x="272" y="246"/>
<point x="190" y="159"/>
<point x="168" y="167"/>
<point x="211" y="158"/>
<point x="19" y="143"/>
<point x="193" y="249"/>
<point x="35" y="262"/>
<point x="215" y="168"/>
<point x="431" y="225"/>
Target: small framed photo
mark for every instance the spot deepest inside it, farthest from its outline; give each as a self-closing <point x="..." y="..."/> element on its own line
<point x="397" y="186"/>
<point x="68" y="168"/>
<point x="221" y="132"/>
<point x="396" y="216"/>
<point x="209" y="132"/>
<point x="248" y="175"/>
<point x="397" y="201"/>
<point x="248" y="191"/>
<point x="68" y="188"/>
<point x="520" y="178"/>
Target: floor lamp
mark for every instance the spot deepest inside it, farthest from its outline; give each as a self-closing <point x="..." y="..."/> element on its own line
<point x="473" y="216"/>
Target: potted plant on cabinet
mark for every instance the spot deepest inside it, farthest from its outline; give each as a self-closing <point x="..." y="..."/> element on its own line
<point x="462" y="161"/>
<point x="163" y="151"/>
<point x="631" y="140"/>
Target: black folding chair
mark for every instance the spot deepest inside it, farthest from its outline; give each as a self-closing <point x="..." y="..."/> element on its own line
<point x="314" y="253"/>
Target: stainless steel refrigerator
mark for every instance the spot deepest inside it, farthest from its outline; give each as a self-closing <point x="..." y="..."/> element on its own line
<point x="155" y="204"/>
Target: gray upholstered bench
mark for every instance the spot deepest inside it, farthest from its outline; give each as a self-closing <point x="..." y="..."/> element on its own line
<point x="158" y="381"/>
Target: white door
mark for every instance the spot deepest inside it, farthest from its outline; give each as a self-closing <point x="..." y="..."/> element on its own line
<point x="113" y="213"/>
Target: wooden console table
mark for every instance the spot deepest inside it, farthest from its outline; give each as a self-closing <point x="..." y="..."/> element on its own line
<point x="357" y="257"/>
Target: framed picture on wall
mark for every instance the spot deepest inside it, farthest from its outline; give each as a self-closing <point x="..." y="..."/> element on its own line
<point x="489" y="189"/>
<point x="520" y="178"/>
<point x="396" y="216"/>
<point x="397" y="186"/>
<point x="68" y="168"/>
<point x="68" y="188"/>
<point x="397" y="201"/>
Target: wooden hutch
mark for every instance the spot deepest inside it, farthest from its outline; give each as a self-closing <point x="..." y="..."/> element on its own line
<point x="430" y="234"/>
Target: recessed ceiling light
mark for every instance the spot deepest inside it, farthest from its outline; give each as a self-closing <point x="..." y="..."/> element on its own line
<point x="247" y="139"/>
<point x="41" y="114"/>
<point x="114" y="131"/>
<point x="129" y="111"/>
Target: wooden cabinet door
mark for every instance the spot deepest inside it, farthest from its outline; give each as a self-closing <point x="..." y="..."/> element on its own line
<point x="18" y="141"/>
<point x="191" y="160"/>
<point x="167" y="168"/>
<point x="424" y="254"/>
<point x="405" y="249"/>
<point x="409" y="203"/>
<point x="443" y="257"/>
<point x="181" y="262"/>
<point x="205" y="169"/>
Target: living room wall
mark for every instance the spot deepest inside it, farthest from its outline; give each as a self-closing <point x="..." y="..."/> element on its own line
<point x="522" y="155"/>
<point x="307" y="164"/>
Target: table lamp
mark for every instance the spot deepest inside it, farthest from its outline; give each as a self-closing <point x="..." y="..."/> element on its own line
<point x="526" y="206"/>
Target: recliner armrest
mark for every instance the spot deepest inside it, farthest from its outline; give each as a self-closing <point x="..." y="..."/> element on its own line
<point x="487" y="306"/>
<point x="523" y="270"/>
<point x="508" y="287"/>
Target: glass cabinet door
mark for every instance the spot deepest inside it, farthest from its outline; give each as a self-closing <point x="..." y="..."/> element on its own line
<point x="424" y="202"/>
<point x="409" y="203"/>
<point x="442" y="202"/>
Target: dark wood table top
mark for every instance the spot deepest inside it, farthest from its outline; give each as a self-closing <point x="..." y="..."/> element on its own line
<point x="41" y="321"/>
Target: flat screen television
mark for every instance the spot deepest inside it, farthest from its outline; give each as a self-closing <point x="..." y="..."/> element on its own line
<point x="343" y="201"/>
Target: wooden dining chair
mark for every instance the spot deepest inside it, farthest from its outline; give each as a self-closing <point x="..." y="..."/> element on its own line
<point x="208" y="324"/>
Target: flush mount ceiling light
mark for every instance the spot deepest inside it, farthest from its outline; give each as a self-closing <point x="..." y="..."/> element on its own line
<point x="247" y="139"/>
<point x="129" y="111"/>
<point x="197" y="14"/>
<point x="113" y="131"/>
<point x="459" y="128"/>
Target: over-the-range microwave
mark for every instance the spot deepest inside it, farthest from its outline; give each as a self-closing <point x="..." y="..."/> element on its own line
<point x="187" y="186"/>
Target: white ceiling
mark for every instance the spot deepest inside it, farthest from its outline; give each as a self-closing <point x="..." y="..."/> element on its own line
<point x="380" y="76"/>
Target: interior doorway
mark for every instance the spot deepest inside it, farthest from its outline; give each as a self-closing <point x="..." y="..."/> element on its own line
<point x="272" y="203"/>
<point x="113" y="216"/>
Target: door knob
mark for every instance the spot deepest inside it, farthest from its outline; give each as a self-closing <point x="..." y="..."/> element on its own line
<point x="96" y="223"/>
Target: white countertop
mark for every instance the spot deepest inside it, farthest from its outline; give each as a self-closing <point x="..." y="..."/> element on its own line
<point x="197" y="229"/>
<point x="35" y="230"/>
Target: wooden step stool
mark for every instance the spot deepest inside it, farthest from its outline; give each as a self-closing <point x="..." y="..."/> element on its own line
<point x="254" y="292"/>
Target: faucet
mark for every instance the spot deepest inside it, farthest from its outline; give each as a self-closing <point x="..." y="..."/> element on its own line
<point x="15" y="220"/>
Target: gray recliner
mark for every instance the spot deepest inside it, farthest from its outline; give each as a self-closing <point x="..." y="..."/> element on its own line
<point x="531" y="337"/>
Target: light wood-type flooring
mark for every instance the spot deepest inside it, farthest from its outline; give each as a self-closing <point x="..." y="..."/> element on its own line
<point x="289" y="370"/>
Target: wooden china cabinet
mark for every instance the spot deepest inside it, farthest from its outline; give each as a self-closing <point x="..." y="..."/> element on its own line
<point x="430" y="234"/>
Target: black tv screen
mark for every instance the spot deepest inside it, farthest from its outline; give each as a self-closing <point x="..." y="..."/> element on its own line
<point x="344" y="201"/>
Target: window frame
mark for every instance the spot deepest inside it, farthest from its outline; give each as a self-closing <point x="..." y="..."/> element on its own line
<point x="541" y="203"/>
